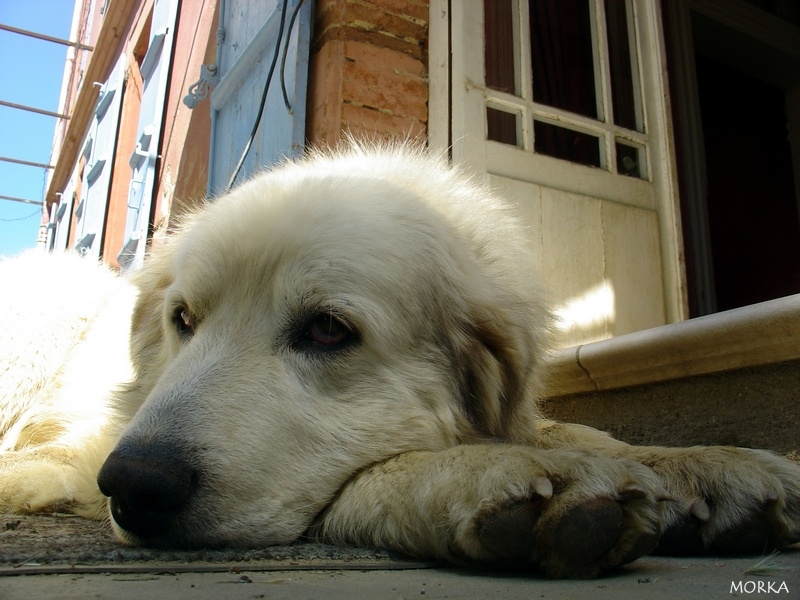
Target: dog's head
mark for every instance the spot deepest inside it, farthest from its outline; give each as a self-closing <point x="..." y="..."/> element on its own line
<point x="322" y="317"/>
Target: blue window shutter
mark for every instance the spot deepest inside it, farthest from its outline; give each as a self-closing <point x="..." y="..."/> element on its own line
<point x="63" y="218"/>
<point x="98" y="151"/>
<point x="245" y="59"/>
<point x="155" y="79"/>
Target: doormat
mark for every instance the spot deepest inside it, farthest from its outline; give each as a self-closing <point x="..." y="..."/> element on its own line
<point x="56" y="543"/>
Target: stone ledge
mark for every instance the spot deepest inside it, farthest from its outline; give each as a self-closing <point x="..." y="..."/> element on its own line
<point x="760" y="334"/>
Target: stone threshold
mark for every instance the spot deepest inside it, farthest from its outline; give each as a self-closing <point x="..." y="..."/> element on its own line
<point x="764" y="333"/>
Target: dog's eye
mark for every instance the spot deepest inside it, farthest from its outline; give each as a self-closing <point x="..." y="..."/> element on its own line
<point x="183" y="321"/>
<point x="327" y="331"/>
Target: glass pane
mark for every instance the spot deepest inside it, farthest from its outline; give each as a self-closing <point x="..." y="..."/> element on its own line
<point x="562" y="55"/>
<point x="498" y="27"/>
<point x="503" y="126"/>
<point x="623" y="94"/>
<point x="630" y="161"/>
<point x="566" y="144"/>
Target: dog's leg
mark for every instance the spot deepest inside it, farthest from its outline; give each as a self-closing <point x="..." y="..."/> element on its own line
<point x="52" y="478"/>
<point x="565" y="512"/>
<point x="724" y="500"/>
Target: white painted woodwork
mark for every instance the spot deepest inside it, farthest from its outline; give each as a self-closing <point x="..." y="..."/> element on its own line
<point x="609" y="244"/>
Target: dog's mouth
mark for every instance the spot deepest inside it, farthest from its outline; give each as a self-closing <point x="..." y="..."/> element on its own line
<point x="144" y="518"/>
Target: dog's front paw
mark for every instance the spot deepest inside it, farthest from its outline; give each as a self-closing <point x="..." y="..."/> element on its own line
<point x="727" y="500"/>
<point x="42" y="479"/>
<point x="583" y="515"/>
<point x="565" y="513"/>
<point x="31" y="487"/>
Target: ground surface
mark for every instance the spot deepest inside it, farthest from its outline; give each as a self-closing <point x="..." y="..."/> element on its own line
<point x="67" y="558"/>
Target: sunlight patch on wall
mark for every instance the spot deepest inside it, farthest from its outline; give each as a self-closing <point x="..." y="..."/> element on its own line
<point x="586" y="318"/>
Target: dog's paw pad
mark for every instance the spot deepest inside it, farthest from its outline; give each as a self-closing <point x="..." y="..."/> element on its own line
<point x="752" y="535"/>
<point x="587" y="531"/>
<point x="645" y="543"/>
<point x="682" y="538"/>
<point x="509" y="531"/>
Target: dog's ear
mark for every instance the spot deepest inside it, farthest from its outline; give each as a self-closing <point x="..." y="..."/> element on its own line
<point x="499" y="353"/>
<point x="147" y="323"/>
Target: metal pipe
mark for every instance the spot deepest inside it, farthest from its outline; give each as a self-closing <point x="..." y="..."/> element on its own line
<point x="46" y="38"/>
<point x="23" y="200"/>
<point x="27" y="163"/>
<point x="34" y="110"/>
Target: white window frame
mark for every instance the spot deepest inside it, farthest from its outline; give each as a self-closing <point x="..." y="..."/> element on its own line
<point x="523" y="102"/>
<point x="457" y="124"/>
<point x="668" y="352"/>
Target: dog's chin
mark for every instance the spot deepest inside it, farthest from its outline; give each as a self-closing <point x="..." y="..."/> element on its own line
<point x="125" y="537"/>
<point x="194" y="536"/>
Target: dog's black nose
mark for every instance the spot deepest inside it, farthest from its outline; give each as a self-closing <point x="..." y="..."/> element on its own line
<point x="147" y="487"/>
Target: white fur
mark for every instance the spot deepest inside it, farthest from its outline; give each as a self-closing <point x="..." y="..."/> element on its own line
<point x="64" y="325"/>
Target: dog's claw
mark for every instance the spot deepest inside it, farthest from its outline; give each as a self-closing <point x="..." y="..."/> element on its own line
<point x="632" y="492"/>
<point x="543" y="487"/>
<point x="700" y="510"/>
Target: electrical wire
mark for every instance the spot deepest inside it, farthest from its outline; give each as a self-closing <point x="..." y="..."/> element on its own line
<point x="30" y="216"/>
<point x="285" y="53"/>
<point x="249" y="144"/>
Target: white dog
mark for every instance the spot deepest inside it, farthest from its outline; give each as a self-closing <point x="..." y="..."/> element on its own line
<point x="347" y="348"/>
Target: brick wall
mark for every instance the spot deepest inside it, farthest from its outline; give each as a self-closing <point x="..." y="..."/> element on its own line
<point x="368" y="71"/>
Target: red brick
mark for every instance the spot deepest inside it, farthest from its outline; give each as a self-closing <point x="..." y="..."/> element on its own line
<point x="324" y="113"/>
<point x="385" y="23"/>
<point x="389" y="59"/>
<point x="368" y="70"/>
<point x="388" y="93"/>
<point x="371" y="17"/>
<point x="411" y="9"/>
<point x="372" y="124"/>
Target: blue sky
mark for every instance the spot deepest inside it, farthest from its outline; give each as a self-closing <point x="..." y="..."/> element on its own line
<point x="30" y="74"/>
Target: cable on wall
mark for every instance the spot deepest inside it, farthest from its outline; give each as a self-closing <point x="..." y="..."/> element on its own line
<point x="264" y="93"/>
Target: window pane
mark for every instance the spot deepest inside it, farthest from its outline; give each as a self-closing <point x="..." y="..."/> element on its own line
<point x="562" y="55"/>
<point x="566" y="144"/>
<point x="619" y="51"/>
<point x="499" y="35"/>
<point x="630" y="161"/>
<point x="503" y="126"/>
